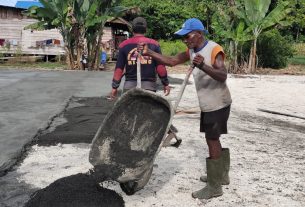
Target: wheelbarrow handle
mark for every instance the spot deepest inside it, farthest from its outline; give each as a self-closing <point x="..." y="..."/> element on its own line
<point x="139" y="71"/>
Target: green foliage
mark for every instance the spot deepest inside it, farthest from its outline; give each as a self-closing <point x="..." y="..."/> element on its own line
<point x="255" y="10"/>
<point x="296" y="19"/>
<point x="53" y="14"/>
<point x="230" y="31"/>
<point x="299" y="49"/>
<point x="165" y="17"/>
<point x="18" y="51"/>
<point x="80" y="22"/>
<point x="7" y="46"/>
<point x="171" y="48"/>
<point x="297" y="60"/>
<point x="273" y="50"/>
<point x="301" y="38"/>
<point x="258" y="17"/>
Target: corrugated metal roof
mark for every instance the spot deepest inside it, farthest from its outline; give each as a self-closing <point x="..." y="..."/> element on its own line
<point x="22" y="4"/>
<point x="10" y="3"/>
<point x="27" y="4"/>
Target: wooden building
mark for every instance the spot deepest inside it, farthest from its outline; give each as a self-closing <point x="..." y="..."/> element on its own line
<point x="115" y="31"/>
<point x="15" y="39"/>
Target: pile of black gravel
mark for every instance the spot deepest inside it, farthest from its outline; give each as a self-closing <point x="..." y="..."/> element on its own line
<point x="82" y="122"/>
<point x="78" y="190"/>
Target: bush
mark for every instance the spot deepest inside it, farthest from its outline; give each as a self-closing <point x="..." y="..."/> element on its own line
<point x="301" y="39"/>
<point x="299" y="48"/>
<point x="171" y="48"/>
<point x="273" y="50"/>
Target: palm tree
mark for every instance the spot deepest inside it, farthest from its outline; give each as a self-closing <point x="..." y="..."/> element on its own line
<point x="232" y="30"/>
<point x="255" y="14"/>
<point x="80" y="22"/>
<point x="55" y="14"/>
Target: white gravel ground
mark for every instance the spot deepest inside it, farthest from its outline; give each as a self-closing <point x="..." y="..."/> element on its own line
<point x="267" y="151"/>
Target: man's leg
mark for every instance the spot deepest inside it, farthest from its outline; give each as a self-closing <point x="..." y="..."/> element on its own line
<point x="210" y="126"/>
<point x="225" y="156"/>
<point x="214" y="148"/>
<point x="171" y="134"/>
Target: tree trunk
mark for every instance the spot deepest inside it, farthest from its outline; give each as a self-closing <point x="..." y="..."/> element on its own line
<point x="254" y="57"/>
<point x="97" y="54"/>
<point x="79" y="53"/>
<point x="79" y="44"/>
<point x="231" y="3"/>
<point x="69" y="57"/>
<point x="235" y="66"/>
<point x="91" y="54"/>
<point x="250" y="61"/>
<point x="297" y="35"/>
<point x="95" y="50"/>
<point x="69" y="60"/>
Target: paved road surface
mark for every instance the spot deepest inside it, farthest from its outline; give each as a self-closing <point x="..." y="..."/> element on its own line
<point x="28" y="99"/>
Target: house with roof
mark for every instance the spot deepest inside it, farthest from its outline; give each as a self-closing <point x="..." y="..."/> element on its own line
<point x="14" y="38"/>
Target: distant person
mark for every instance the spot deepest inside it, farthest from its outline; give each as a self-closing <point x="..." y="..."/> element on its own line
<point x="84" y="61"/>
<point x="127" y="62"/>
<point x="214" y="97"/>
<point x="127" y="65"/>
<point x="103" y="59"/>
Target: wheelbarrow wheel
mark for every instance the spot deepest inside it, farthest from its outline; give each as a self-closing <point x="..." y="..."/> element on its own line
<point x="129" y="187"/>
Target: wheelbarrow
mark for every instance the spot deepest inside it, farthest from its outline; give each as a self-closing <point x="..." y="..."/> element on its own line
<point x="130" y="137"/>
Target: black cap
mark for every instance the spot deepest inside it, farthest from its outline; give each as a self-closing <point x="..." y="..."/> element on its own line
<point x="139" y="22"/>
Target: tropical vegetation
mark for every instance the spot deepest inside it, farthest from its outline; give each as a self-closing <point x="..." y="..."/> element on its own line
<point x="243" y="27"/>
<point x="81" y="24"/>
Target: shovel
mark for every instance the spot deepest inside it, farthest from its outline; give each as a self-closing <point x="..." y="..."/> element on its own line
<point x="172" y="130"/>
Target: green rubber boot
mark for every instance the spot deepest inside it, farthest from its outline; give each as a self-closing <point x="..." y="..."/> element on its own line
<point x="213" y="187"/>
<point x="226" y="166"/>
<point x="225" y="156"/>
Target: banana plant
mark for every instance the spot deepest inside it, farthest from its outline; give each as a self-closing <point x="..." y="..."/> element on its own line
<point x="55" y="14"/>
<point x="80" y="22"/>
<point x="232" y="31"/>
<point x="256" y="16"/>
<point x="96" y="16"/>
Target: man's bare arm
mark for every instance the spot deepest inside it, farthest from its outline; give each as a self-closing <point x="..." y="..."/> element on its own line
<point x="217" y="72"/>
<point x="166" y="60"/>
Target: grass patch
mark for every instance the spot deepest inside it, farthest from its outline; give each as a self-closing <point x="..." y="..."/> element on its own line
<point x="36" y="65"/>
<point x="171" y="48"/>
<point x="299" y="49"/>
<point x="297" y="60"/>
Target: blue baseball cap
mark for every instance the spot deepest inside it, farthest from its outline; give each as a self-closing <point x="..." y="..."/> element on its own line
<point x="190" y="25"/>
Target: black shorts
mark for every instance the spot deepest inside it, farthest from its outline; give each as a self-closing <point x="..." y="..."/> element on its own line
<point x="214" y="123"/>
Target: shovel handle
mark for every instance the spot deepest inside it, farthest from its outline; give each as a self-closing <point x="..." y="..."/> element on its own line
<point x="187" y="76"/>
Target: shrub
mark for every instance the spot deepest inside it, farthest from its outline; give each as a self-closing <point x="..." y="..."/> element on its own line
<point x="171" y="48"/>
<point x="273" y="50"/>
<point x="299" y="48"/>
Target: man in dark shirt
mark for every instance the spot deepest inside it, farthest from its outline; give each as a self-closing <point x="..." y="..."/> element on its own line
<point x="127" y="62"/>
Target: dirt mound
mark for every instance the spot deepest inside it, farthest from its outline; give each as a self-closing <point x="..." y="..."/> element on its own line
<point x="78" y="190"/>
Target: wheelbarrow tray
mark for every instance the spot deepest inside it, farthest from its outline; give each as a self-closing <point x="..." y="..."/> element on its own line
<point x="130" y="137"/>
